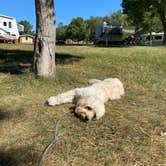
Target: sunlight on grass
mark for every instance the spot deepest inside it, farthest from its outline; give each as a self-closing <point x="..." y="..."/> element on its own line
<point x="129" y="133"/>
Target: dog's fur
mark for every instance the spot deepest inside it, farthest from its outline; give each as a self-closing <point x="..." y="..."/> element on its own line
<point x="89" y="101"/>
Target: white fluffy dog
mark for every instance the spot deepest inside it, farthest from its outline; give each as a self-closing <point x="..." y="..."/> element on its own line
<point x="89" y="101"/>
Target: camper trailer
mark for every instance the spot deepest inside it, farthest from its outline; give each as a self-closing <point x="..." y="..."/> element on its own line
<point x="152" y="39"/>
<point x="8" y="28"/>
<point x="109" y="34"/>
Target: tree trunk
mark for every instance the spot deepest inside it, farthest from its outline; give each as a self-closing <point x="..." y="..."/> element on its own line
<point x="162" y="14"/>
<point x="164" y="27"/>
<point x="163" y="20"/>
<point x="44" y="50"/>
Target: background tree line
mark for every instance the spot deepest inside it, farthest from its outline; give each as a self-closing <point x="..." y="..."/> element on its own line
<point x="148" y="15"/>
<point x="148" y="20"/>
<point x="28" y="27"/>
<point x="80" y="29"/>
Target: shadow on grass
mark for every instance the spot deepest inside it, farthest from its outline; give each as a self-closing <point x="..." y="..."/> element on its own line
<point x="12" y="114"/>
<point x="4" y="114"/>
<point x="17" y="61"/>
<point x="66" y="58"/>
<point x="20" y="156"/>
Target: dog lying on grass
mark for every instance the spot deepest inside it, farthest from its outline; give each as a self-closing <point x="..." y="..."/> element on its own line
<point x="89" y="101"/>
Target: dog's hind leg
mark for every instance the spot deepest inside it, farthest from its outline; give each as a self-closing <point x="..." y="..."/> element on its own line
<point x="66" y="97"/>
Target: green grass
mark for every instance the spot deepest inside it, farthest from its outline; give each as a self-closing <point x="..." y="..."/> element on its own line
<point x="128" y="134"/>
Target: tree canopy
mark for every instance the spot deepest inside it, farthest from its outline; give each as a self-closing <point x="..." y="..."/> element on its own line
<point x="80" y="29"/>
<point x="118" y="16"/>
<point x="145" y="12"/>
<point x="61" y="32"/>
<point x="27" y="26"/>
<point x="77" y="29"/>
<point x="93" y="23"/>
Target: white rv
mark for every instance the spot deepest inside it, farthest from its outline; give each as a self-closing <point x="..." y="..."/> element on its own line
<point x="153" y="39"/>
<point x="8" y="27"/>
<point x="109" y="34"/>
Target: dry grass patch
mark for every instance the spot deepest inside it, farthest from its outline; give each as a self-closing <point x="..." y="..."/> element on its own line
<point x="129" y="133"/>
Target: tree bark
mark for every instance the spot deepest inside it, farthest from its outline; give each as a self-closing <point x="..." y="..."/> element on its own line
<point x="44" y="50"/>
<point x="162" y="13"/>
<point x="164" y="28"/>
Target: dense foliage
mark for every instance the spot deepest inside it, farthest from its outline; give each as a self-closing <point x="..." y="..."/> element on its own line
<point x="147" y="14"/>
<point x="77" y="30"/>
<point x="80" y="29"/>
<point x="27" y="27"/>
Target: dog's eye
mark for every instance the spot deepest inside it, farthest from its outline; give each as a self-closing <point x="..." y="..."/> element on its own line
<point x="88" y="108"/>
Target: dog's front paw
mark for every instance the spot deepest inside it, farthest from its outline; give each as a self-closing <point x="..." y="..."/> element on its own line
<point x="51" y="101"/>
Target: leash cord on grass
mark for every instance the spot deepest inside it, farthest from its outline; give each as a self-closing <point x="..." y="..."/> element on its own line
<point x="52" y="141"/>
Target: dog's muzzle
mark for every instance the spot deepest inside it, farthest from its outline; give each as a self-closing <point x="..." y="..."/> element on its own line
<point x="85" y="113"/>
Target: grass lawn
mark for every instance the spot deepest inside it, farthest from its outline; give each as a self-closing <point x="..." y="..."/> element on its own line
<point x="128" y="134"/>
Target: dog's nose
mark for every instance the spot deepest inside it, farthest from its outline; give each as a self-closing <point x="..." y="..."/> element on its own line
<point x="85" y="119"/>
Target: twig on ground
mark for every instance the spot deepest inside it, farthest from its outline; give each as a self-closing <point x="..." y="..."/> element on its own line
<point x="144" y="132"/>
<point x="53" y="140"/>
<point x="90" y="142"/>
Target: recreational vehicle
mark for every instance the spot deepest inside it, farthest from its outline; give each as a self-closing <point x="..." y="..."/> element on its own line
<point x="152" y="39"/>
<point x="8" y="28"/>
<point x="109" y="34"/>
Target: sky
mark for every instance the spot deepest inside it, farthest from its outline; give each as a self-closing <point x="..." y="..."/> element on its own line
<point x="65" y="9"/>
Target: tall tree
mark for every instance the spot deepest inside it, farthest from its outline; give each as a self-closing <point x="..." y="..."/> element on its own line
<point x="61" y="32"/>
<point x="136" y="11"/>
<point x="118" y="16"/>
<point x="44" y="51"/>
<point x="93" y="23"/>
<point x="151" y="23"/>
<point x="77" y="29"/>
<point x="27" y="26"/>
